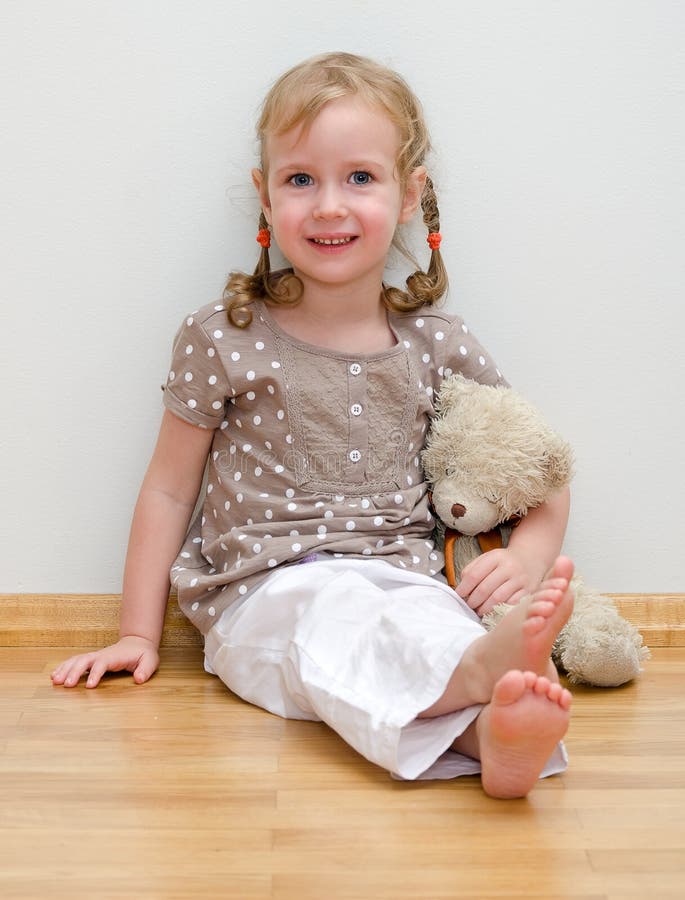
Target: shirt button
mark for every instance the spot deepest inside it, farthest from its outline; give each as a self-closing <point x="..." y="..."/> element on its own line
<point x="355" y="369"/>
<point x="356" y="409"/>
<point x="355" y="455"/>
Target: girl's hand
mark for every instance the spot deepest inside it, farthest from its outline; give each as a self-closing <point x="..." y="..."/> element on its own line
<point x="133" y="654"/>
<point x="498" y="576"/>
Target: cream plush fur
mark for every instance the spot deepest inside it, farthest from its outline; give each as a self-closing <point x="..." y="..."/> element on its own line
<point x="491" y="456"/>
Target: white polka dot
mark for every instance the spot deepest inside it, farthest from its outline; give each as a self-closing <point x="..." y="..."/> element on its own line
<point x="280" y="415"/>
<point x="237" y="476"/>
<point x="257" y="420"/>
<point x="210" y="351"/>
<point x="235" y="356"/>
<point x="463" y="350"/>
<point x="398" y="499"/>
<point x="189" y="349"/>
<point x="367" y="551"/>
<point x="407" y="344"/>
<point x="267" y="444"/>
<point x="250" y="375"/>
<point x="250" y="395"/>
<point x="365" y="503"/>
<point x="258" y="471"/>
<point x="275" y="365"/>
<point x="239" y="498"/>
<point x="195" y="606"/>
<point x="419" y="323"/>
<point x="268" y="514"/>
<point x="464" y="328"/>
<point x="350" y="526"/>
<point x="188" y="376"/>
<point x="189" y="320"/>
<point x="339" y="498"/>
<point x="212" y="379"/>
<point x="192" y="403"/>
<point x="227" y="505"/>
<point x="242" y="589"/>
<point x="321" y="529"/>
<point x="218" y="333"/>
<point x="481" y="360"/>
<point x="294" y="533"/>
<point x="378" y="521"/>
<point x="291" y="493"/>
<point x="272" y="563"/>
<point x="259" y="345"/>
<point x="256" y="548"/>
<point x="296" y="548"/>
<point x="426" y="357"/>
<point x="292" y="507"/>
<point x="271" y="389"/>
<point x="217" y="404"/>
<point x="194" y="581"/>
<point x="210" y="488"/>
<point x="172" y="375"/>
<point x="328" y="514"/>
<point x="288" y="438"/>
<point x="211" y="611"/>
<point x="439" y="336"/>
<point x="279" y="469"/>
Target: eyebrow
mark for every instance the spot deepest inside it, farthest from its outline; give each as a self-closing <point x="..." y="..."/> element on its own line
<point x="353" y="165"/>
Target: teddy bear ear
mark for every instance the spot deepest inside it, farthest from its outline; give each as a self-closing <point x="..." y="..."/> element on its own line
<point x="452" y="390"/>
<point x="558" y="463"/>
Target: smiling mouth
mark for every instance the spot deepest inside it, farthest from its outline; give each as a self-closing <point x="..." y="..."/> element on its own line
<point x="332" y="242"/>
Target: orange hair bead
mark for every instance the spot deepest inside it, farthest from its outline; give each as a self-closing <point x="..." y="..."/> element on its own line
<point x="264" y="238"/>
<point x="434" y="239"/>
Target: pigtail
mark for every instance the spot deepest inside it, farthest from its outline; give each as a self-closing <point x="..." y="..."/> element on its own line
<point x="428" y="287"/>
<point x="241" y="290"/>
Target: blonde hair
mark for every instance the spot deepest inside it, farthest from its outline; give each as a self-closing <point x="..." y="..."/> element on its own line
<point x="295" y="99"/>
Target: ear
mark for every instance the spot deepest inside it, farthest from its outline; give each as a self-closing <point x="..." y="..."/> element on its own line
<point x="412" y="194"/>
<point x="259" y="181"/>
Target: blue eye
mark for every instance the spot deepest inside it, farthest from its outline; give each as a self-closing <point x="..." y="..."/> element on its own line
<point x="360" y="178"/>
<point x="300" y="180"/>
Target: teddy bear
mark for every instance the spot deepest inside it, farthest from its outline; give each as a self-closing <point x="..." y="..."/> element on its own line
<point x="490" y="456"/>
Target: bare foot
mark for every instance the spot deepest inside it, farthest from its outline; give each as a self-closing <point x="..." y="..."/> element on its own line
<point x="518" y="730"/>
<point x="522" y="640"/>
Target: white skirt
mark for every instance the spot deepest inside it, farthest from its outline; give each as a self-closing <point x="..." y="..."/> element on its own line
<point x="363" y="646"/>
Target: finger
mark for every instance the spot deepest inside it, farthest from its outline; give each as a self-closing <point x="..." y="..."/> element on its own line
<point x="79" y="665"/>
<point x="487" y="589"/>
<point x="474" y="574"/>
<point x="97" y="670"/>
<point x="147" y="666"/>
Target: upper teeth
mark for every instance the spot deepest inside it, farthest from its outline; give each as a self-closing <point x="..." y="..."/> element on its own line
<point x="344" y="240"/>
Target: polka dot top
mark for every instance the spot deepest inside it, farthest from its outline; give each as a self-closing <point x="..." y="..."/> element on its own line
<point x="313" y="451"/>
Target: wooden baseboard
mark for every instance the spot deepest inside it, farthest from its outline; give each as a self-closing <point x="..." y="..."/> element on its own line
<point x="80" y="620"/>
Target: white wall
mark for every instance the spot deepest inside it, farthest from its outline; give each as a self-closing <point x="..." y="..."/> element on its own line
<point x="126" y="148"/>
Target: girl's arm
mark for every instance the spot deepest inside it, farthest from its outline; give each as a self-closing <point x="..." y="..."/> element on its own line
<point x="160" y="520"/>
<point x="506" y="576"/>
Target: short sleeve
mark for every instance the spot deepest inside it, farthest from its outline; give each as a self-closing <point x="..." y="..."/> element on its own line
<point x="463" y="353"/>
<point x="197" y="387"/>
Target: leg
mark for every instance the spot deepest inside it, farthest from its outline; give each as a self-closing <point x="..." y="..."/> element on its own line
<point x="522" y="640"/>
<point x="515" y="734"/>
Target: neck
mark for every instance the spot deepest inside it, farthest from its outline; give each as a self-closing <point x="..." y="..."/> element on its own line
<point x="343" y="318"/>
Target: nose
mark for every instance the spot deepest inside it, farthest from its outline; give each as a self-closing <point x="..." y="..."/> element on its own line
<point x="330" y="203"/>
<point x="458" y="510"/>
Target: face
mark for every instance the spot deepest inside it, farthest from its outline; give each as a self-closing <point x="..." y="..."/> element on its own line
<point x="332" y="196"/>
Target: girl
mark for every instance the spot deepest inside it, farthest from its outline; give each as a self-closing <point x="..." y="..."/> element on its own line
<point x="311" y="569"/>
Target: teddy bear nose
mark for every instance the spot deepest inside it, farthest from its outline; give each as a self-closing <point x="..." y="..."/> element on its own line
<point x="458" y="510"/>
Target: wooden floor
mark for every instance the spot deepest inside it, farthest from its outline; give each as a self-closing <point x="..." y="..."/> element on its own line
<point x="177" y="789"/>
